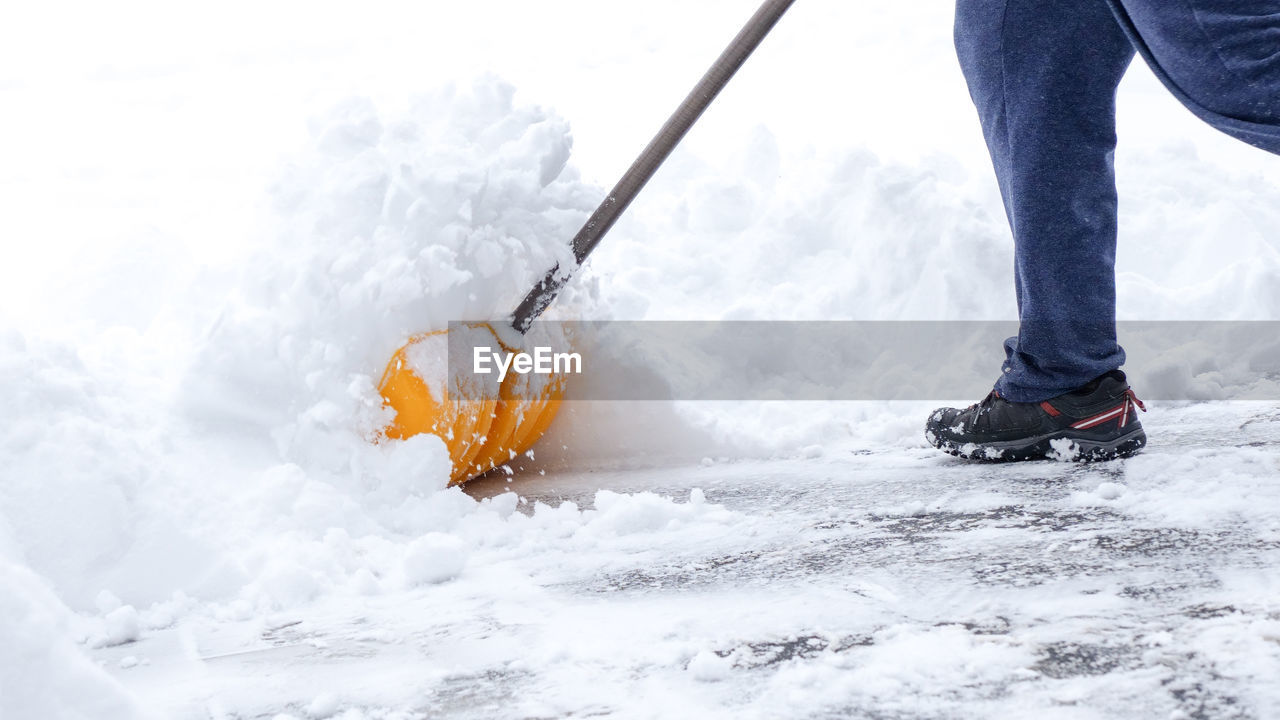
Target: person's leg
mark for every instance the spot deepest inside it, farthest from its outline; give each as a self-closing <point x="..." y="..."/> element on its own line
<point x="1043" y="75"/>
<point x="1221" y="58"/>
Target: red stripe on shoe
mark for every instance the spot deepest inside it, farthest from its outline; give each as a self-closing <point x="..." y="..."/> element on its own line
<point x="1101" y="417"/>
<point x="1053" y="411"/>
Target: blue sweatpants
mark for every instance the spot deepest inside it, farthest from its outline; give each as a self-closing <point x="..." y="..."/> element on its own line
<point x="1043" y="75"/>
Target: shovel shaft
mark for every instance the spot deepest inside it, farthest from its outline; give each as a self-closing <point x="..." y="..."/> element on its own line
<point x="652" y="158"/>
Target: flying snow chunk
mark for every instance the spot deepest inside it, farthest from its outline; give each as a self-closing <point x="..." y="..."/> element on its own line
<point x="120" y="626"/>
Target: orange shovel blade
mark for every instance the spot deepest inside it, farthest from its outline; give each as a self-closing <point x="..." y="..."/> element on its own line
<point x="481" y="433"/>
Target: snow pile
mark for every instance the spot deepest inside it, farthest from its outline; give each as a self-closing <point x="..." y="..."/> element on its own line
<point x="391" y="225"/>
<point x="848" y="236"/>
<point x="1188" y="250"/>
<point x="84" y="491"/>
<point x="42" y="672"/>
<point x="857" y="235"/>
<point x="82" y="508"/>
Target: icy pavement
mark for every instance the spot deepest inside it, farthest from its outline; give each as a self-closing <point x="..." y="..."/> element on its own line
<point x="872" y="583"/>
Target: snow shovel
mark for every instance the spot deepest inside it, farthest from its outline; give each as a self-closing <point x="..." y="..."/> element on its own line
<point x="482" y="431"/>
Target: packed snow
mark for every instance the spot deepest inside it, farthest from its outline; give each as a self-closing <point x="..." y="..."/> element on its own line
<point x="222" y="223"/>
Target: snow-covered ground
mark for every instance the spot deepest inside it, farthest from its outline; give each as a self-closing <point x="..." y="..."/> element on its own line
<point x="219" y="224"/>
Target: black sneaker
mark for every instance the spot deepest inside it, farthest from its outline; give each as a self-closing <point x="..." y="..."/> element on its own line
<point x="1096" y="422"/>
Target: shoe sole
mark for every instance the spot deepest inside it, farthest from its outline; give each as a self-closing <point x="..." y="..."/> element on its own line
<point x="1062" y="445"/>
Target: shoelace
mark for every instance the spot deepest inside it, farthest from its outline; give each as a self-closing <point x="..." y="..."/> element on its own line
<point x="1135" y="399"/>
<point x="985" y="402"/>
<point x="981" y="407"/>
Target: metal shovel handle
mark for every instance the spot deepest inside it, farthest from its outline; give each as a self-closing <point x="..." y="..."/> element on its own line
<point x="652" y="158"/>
